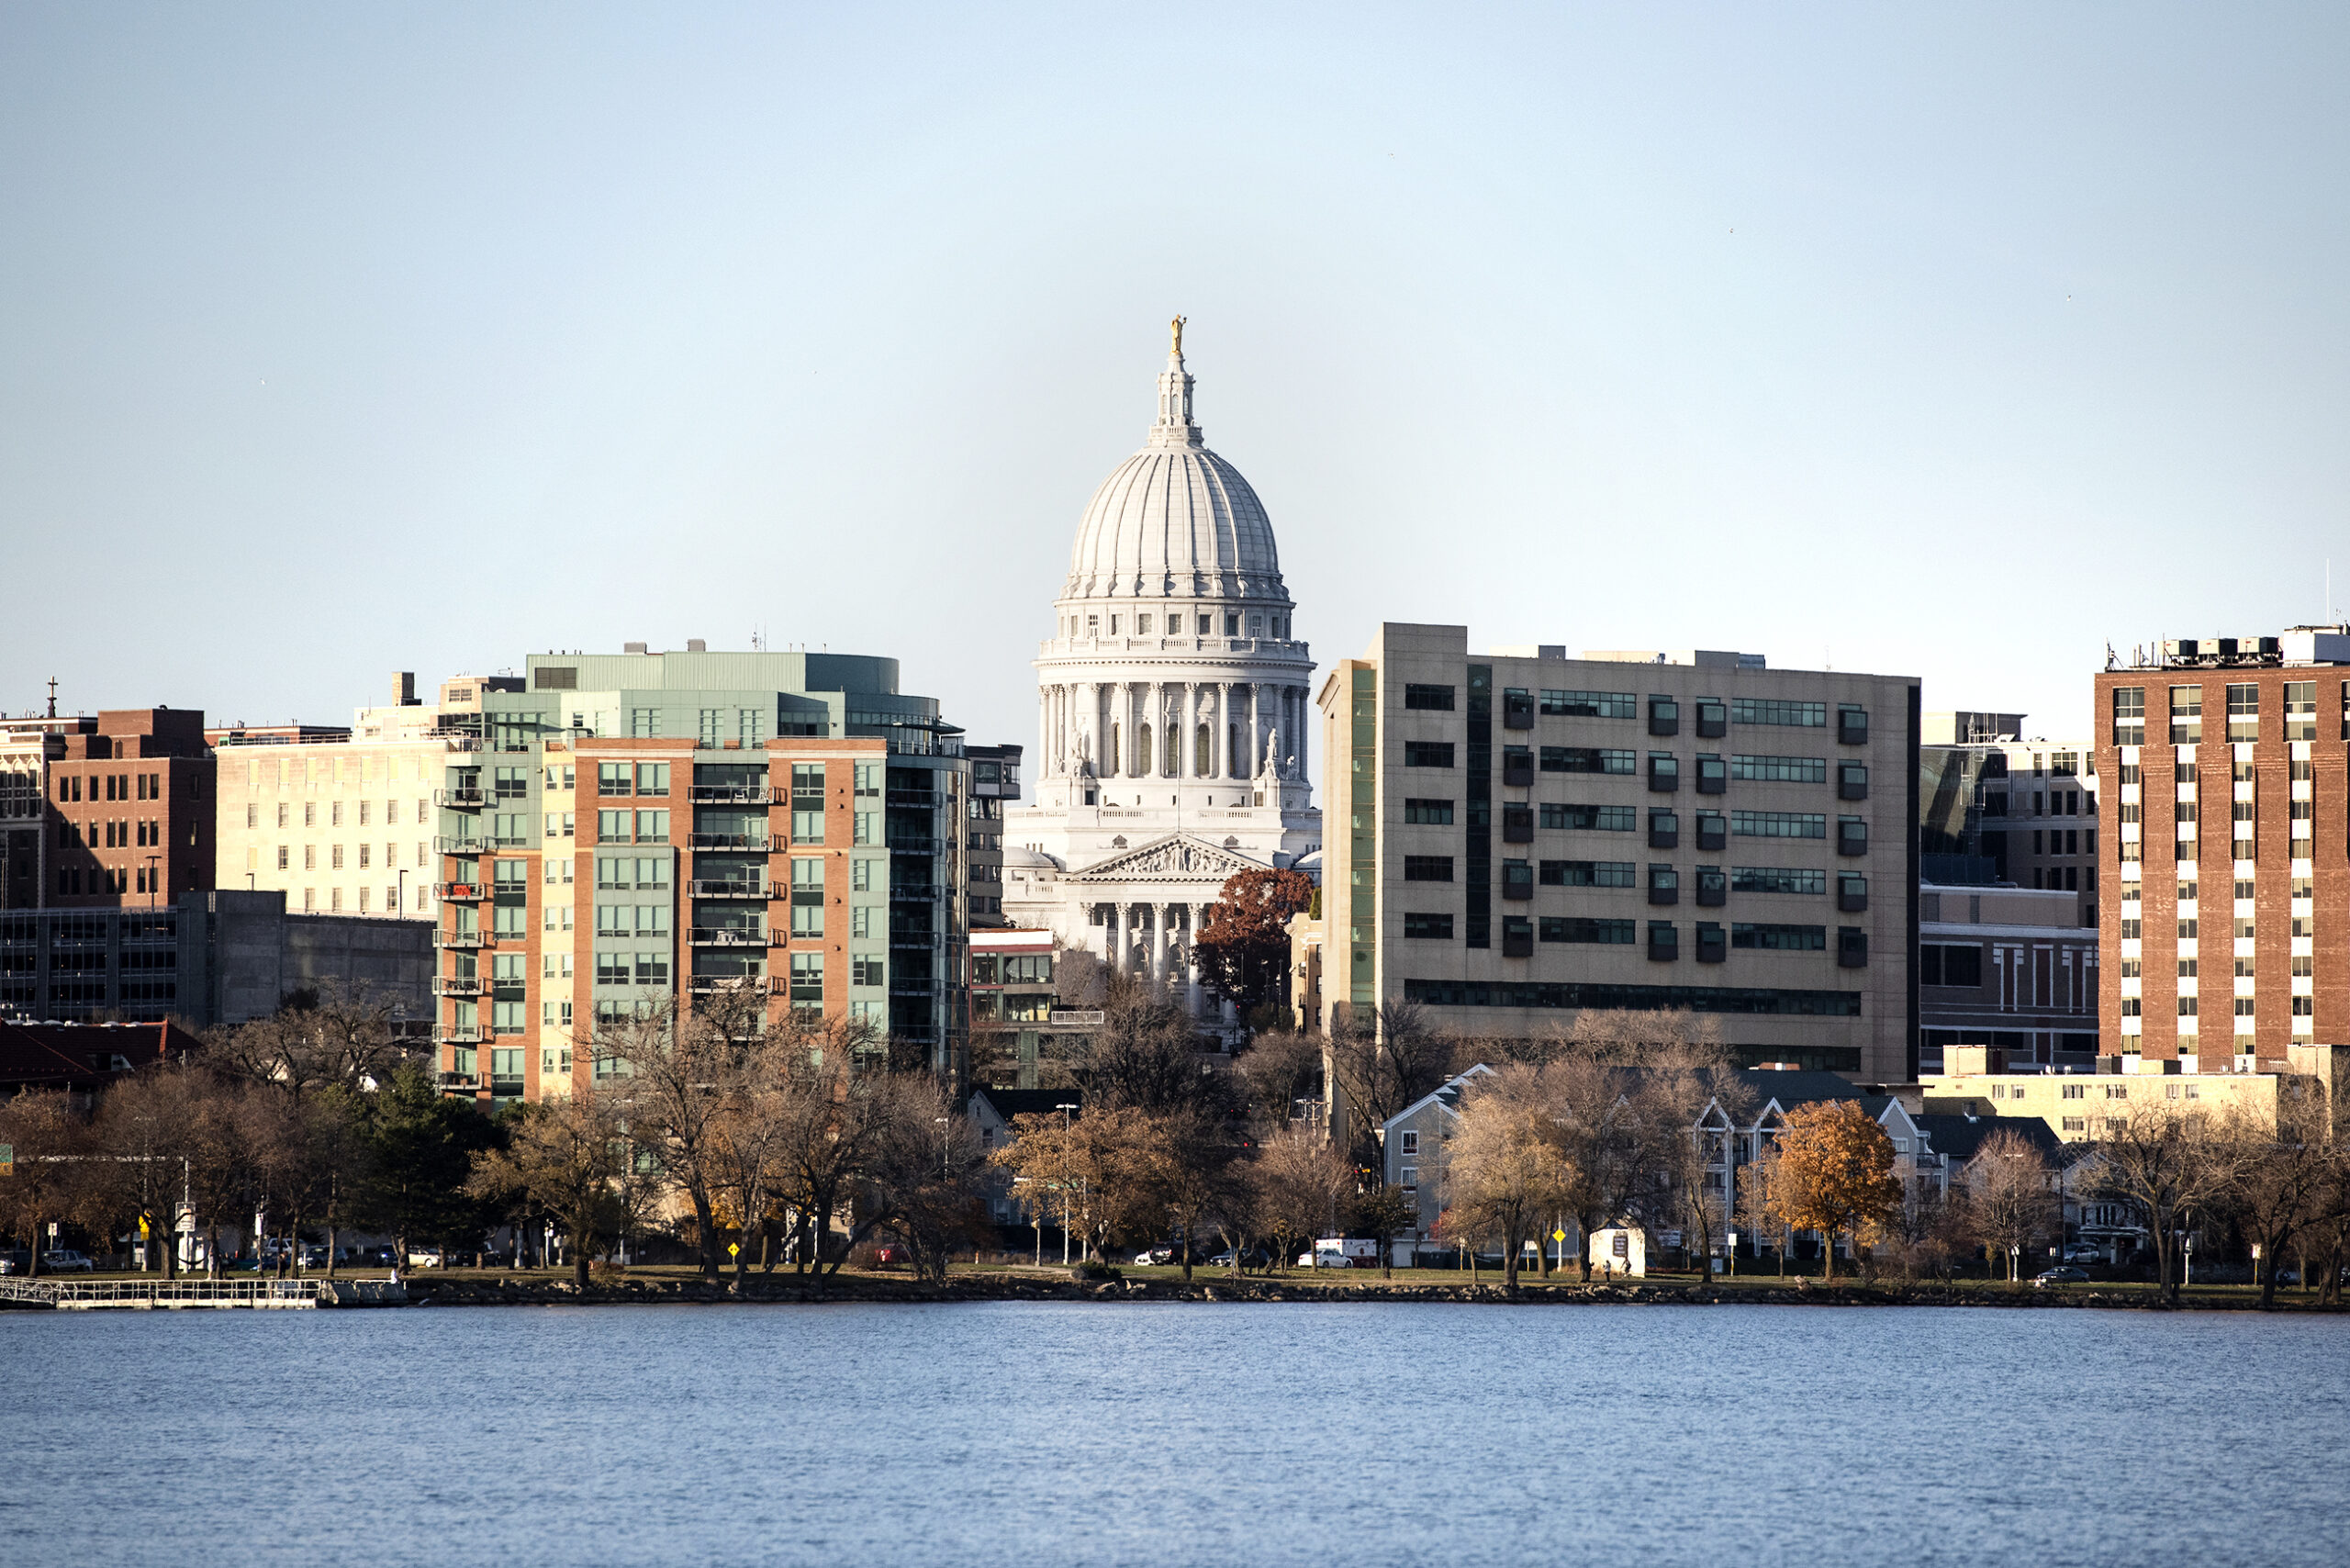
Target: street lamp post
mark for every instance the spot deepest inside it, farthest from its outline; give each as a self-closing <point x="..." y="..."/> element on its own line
<point x="1065" y="1111"/>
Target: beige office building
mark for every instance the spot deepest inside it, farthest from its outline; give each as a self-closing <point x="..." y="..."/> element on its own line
<point x="1531" y="835"/>
<point x="342" y="823"/>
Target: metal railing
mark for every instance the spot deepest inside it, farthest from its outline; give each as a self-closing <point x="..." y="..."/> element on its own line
<point x="759" y="841"/>
<point x="143" y="1294"/>
<point x="463" y="799"/>
<point x="459" y="938"/>
<point x="463" y="893"/>
<point x="730" y="888"/>
<point x="727" y="936"/>
<point x="446" y="846"/>
<point x="731" y="795"/>
<point x="471" y="986"/>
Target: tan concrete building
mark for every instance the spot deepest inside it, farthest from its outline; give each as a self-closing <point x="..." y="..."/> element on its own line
<point x="2076" y="1105"/>
<point x="1528" y="835"/>
<point x="340" y="825"/>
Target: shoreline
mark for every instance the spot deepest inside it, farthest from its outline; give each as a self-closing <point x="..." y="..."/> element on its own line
<point x="795" y="1290"/>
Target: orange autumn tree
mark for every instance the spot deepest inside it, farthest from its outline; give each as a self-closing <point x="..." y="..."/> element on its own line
<point x="1834" y="1172"/>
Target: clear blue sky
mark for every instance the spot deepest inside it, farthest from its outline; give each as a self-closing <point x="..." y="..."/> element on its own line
<point x="341" y="339"/>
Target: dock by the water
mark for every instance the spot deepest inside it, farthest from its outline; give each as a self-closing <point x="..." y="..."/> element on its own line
<point x="171" y="1296"/>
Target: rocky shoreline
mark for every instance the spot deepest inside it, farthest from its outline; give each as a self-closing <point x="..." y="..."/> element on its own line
<point x="800" y="1290"/>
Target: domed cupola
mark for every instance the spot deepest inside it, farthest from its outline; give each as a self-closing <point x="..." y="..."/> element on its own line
<point x="1175" y="521"/>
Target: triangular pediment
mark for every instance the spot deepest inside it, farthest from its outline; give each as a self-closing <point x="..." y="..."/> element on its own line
<point x="1177" y="857"/>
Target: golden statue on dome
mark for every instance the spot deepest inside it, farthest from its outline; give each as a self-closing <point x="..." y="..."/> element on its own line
<point x="1175" y="329"/>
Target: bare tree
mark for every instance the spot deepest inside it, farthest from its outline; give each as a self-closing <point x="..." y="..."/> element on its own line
<point x="1383" y="1059"/>
<point x="1300" y="1183"/>
<point x="681" y="1076"/>
<point x="924" y="1175"/>
<point x="47" y="1138"/>
<point x="2284" y="1176"/>
<point x="2169" y="1167"/>
<point x="574" y="1157"/>
<point x="2009" y="1205"/>
<point x="340" y="1035"/>
<point x="1506" y="1171"/>
<point x="1276" y="1071"/>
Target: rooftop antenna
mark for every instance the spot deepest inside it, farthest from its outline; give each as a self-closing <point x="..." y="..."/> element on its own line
<point x="53" y="696"/>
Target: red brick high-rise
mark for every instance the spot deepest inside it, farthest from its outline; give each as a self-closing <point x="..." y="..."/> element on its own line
<point x="128" y="811"/>
<point x="2225" y="768"/>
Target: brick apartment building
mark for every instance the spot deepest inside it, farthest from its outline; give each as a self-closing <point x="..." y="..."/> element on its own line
<point x="126" y="815"/>
<point x="2254" y="894"/>
<point x="620" y="830"/>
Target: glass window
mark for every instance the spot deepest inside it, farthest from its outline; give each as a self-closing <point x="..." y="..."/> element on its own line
<point x="1779" y="825"/>
<point x="1437" y="698"/>
<point x="1437" y="812"/>
<point x="1427" y="867"/>
<point x="1779" y="769"/>
<point x="1589" y="704"/>
<point x="1772" y="711"/>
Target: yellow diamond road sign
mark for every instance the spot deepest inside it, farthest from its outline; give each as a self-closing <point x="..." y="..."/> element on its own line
<point x="734" y="1250"/>
<point x="1558" y="1236"/>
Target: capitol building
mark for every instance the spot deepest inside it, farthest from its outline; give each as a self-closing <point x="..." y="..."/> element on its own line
<point x="1173" y="698"/>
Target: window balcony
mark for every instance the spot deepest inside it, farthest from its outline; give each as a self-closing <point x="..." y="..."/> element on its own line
<point x="727" y="985"/>
<point x="1517" y="824"/>
<point x="732" y="888"/>
<point x="460" y="939"/>
<point x="1665" y="893"/>
<point x="1713" y="721"/>
<point x="460" y="1083"/>
<point x="446" y="846"/>
<point x="1713" y="891"/>
<point x="1517" y="939"/>
<point x="458" y="800"/>
<point x="1664" y="831"/>
<point x="1852" y="949"/>
<point x="915" y="798"/>
<point x="758" y="843"/>
<point x="1852" y="782"/>
<point x="1664" y="944"/>
<point x="1713" y="832"/>
<point x="731" y="795"/>
<point x="1713" y="945"/>
<point x="472" y="986"/>
<point x="727" y="936"/>
<point x="469" y="1036"/>
<point x="460" y="892"/>
<point x="1517" y="710"/>
<point x="913" y="892"/>
<point x="1852" y="893"/>
<point x="1664" y="716"/>
<point x="1851" y="727"/>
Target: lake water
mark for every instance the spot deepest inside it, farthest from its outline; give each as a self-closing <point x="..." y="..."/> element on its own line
<point x="1035" y="1433"/>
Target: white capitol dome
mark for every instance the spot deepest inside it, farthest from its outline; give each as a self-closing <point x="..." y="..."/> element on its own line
<point x="1174" y="699"/>
<point x="1174" y="520"/>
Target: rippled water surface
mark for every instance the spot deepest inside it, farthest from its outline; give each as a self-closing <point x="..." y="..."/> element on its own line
<point x="1164" y="1434"/>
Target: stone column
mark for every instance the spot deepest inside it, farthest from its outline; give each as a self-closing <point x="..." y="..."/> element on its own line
<point x="1190" y="764"/>
<point x="1118" y="938"/>
<point x="1191" y="961"/>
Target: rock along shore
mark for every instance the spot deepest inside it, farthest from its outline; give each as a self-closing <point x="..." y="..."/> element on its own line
<point x="796" y="1289"/>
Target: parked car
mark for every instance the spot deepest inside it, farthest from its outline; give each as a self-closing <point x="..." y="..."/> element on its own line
<point x="314" y="1255"/>
<point x="2084" y="1253"/>
<point x="1154" y="1257"/>
<point x="15" y="1261"/>
<point x="1324" y="1261"/>
<point x="65" y="1260"/>
<point x="426" y="1257"/>
<point x="1254" y="1258"/>
<point x="2064" y="1274"/>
